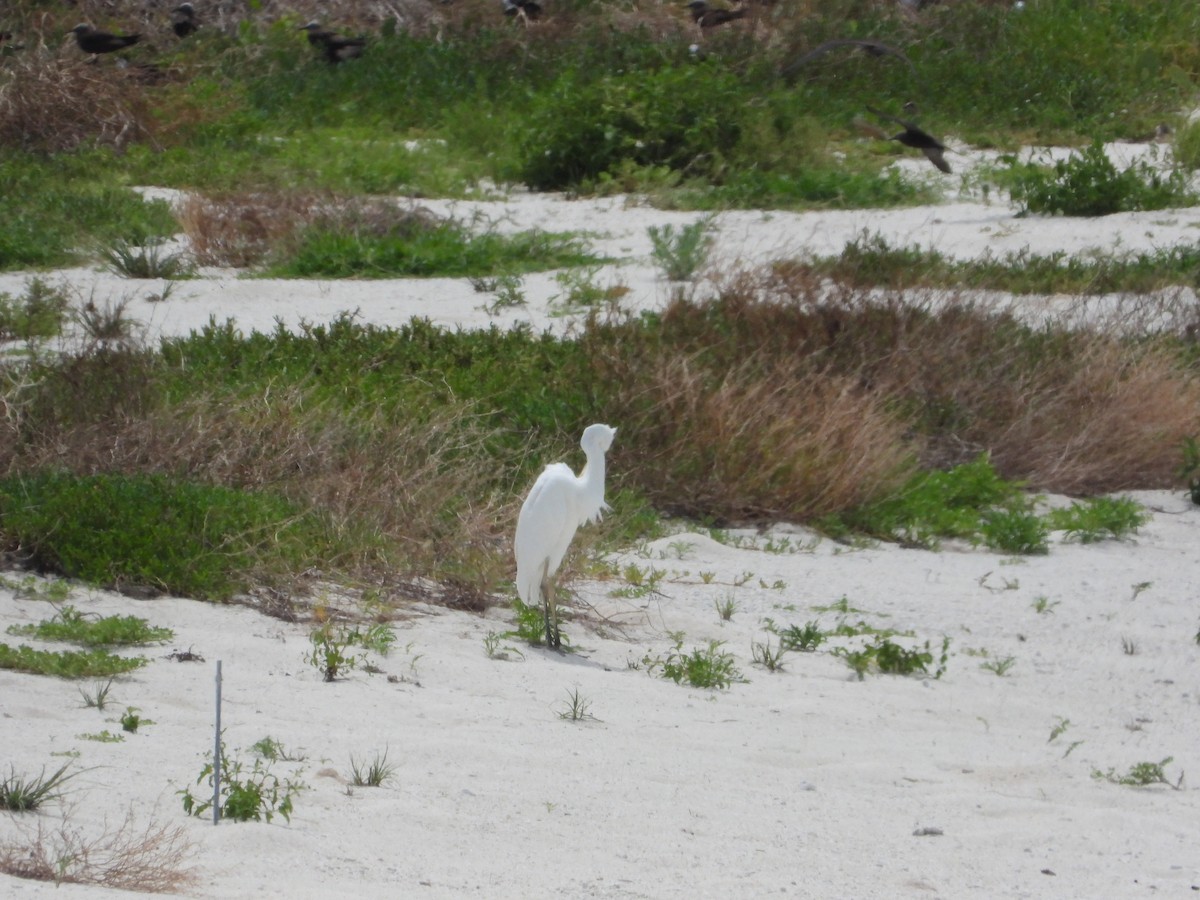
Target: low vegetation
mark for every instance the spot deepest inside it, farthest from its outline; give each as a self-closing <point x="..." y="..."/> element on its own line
<point x="69" y="624"/>
<point x="247" y="794"/>
<point x="22" y="793"/>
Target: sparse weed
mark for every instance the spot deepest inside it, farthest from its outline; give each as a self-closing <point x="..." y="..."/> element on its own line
<point x="1129" y="646"/>
<point x="330" y="652"/>
<point x="1059" y="729"/>
<point x="578" y="707"/>
<point x="495" y="650"/>
<point x="19" y="793"/>
<point x="1142" y="774"/>
<point x="270" y="749"/>
<point x="98" y="698"/>
<point x="102" y="737"/>
<point x="703" y="667"/>
<point x="891" y="658"/>
<point x="40" y="313"/>
<point x="803" y="638"/>
<point x="1043" y="605"/>
<point x="131" y="721"/>
<point x="770" y="658"/>
<point x="372" y="774"/>
<point x="681" y="254"/>
<point x="148" y="260"/>
<point x="999" y="667"/>
<point x="726" y="607"/>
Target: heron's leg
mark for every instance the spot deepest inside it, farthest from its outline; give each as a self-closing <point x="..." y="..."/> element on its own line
<point x="553" y="635"/>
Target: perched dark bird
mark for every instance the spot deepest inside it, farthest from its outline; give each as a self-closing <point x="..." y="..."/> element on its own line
<point x="529" y="10"/>
<point x="912" y="136"/>
<point x="870" y="47"/>
<point x="337" y="48"/>
<point x="183" y="20"/>
<point x="92" y="41"/>
<point x="707" y="17"/>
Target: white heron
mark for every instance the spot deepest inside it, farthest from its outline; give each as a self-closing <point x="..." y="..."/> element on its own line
<point x="558" y="504"/>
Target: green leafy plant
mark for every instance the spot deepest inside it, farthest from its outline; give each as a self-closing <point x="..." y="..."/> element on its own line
<point x="530" y="624"/>
<point x="91" y="631"/>
<point x="702" y="667"/>
<point x="1142" y="774"/>
<point x="805" y="638"/>
<point x="270" y="749"/>
<point x="371" y="774"/>
<point x="681" y="253"/>
<point x="1014" y="531"/>
<point x="67" y="663"/>
<point x="330" y="653"/>
<point x="1098" y="518"/>
<point x="254" y="794"/>
<point x="1189" y="469"/>
<point x="131" y="721"/>
<point x="494" y="649"/>
<point x="21" y="793"/>
<point x="891" y="658"/>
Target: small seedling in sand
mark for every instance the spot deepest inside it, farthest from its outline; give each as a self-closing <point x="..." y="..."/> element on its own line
<point x="101" y="737"/>
<point x="98" y="698"/>
<point x="726" y="607"/>
<point x="372" y="774"/>
<point x="1139" y="587"/>
<point x="131" y="721"/>
<point x="770" y="658"/>
<point x="19" y="793"/>
<point x="999" y="666"/>
<point x="271" y="749"/>
<point x="1129" y="646"/>
<point x="494" y="650"/>
<point x="1059" y="728"/>
<point x="840" y="606"/>
<point x="1007" y="584"/>
<point x="578" y="708"/>
<point x="1142" y="774"/>
<point x="1044" y="605"/>
<point x="707" y="577"/>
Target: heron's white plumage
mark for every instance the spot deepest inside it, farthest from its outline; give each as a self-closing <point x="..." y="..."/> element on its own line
<point x="558" y="504"/>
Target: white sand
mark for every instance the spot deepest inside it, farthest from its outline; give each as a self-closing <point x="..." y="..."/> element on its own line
<point x="803" y="783"/>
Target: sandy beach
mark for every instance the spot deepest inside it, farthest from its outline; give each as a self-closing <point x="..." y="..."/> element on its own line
<point x="804" y="782"/>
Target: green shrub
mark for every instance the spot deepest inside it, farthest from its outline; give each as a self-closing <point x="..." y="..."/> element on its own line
<point x="190" y="539"/>
<point x="1014" y="530"/>
<point x="41" y="312"/>
<point x="1098" y="519"/>
<point x="703" y="667"/>
<point x="1088" y="184"/>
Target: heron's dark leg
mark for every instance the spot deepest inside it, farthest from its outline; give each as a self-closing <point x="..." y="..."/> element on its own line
<point x="553" y="636"/>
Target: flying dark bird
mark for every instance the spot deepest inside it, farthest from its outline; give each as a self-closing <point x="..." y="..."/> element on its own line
<point x="92" y="41"/>
<point x="183" y="20"/>
<point x="337" y="48"/>
<point x="707" y="17"/>
<point x="872" y="48"/>
<point x="912" y="136"/>
<point x="529" y="10"/>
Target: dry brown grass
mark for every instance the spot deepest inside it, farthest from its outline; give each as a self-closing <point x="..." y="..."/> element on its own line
<point x="244" y="229"/>
<point x="790" y="444"/>
<point x="150" y="860"/>
<point x="50" y="104"/>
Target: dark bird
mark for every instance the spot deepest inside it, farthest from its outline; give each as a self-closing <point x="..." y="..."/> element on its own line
<point x="183" y="20"/>
<point x="873" y="48"/>
<point x="92" y="41"/>
<point x="912" y="136"/>
<point x="529" y="10"/>
<point x="337" y="48"/>
<point x="705" y="17"/>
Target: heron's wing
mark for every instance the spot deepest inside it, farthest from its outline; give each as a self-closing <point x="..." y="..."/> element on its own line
<point x="545" y="526"/>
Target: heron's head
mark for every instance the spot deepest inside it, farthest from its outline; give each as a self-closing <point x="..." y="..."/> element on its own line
<point x="597" y="438"/>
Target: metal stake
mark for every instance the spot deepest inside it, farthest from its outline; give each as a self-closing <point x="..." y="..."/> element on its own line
<point x="216" y="803"/>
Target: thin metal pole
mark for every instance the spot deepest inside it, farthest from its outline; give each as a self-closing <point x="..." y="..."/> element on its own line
<point x="216" y="804"/>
